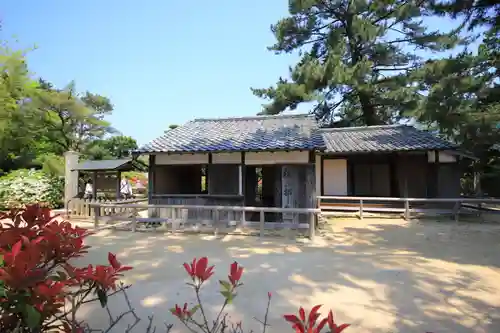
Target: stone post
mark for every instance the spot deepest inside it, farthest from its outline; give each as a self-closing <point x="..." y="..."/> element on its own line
<point x="70" y="176"/>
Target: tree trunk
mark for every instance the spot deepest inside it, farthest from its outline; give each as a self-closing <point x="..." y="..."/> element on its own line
<point x="368" y="110"/>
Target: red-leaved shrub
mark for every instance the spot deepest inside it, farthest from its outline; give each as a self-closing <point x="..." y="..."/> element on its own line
<point x="40" y="290"/>
<point x="199" y="271"/>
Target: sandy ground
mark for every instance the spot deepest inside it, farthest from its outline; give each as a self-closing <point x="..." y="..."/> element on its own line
<point x="378" y="275"/>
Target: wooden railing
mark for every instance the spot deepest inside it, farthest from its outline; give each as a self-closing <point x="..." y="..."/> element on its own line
<point x="177" y="215"/>
<point x="330" y="205"/>
<point x="77" y="207"/>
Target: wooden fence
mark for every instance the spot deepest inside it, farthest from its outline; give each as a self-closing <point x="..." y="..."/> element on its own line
<point x="82" y="207"/>
<point x="407" y="207"/>
<point x="177" y="217"/>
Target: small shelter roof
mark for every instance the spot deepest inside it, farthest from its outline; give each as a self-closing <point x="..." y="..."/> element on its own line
<point x="125" y="164"/>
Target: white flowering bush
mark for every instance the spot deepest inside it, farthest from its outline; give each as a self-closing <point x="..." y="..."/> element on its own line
<point x="23" y="187"/>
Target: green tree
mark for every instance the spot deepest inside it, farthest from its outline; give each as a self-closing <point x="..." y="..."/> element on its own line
<point x="474" y="13"/>
<point x="73" y="121"/>
<point x="357" y="57"/>
<point x="19" y="121"/>
<point x="38" y="122"/>
<point x="114" y="147"/>
<point x="464" y="91"/>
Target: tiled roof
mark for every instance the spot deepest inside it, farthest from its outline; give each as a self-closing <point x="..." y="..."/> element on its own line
<point x="290" y="132"/>
<point x="105" y="165"/>
<point x="283" y="132"/>
<point x="381" y="139"/>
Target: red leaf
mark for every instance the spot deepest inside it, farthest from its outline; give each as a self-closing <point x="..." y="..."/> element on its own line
<point x="113" y="261"/>
<point x="342" y="327"/>
<point x="188" y="269"/>
<point x="16" y="248"/>
<point x="292" y="318"/>
<point x="321" y="324"/>
<point x="201" y="266"/>
<point x="313" y="315"/>
<point x="302" y="314"/>
<point x="299" y="328"/>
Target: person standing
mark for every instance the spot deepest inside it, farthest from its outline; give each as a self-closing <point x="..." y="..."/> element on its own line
<point x="125" y="189"/>
<point x="89" y="190"/>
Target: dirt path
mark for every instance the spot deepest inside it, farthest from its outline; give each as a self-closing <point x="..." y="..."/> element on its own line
<point x="378" y="275"/>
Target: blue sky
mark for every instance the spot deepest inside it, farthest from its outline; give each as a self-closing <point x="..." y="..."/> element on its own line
<point x="160" y="62"/>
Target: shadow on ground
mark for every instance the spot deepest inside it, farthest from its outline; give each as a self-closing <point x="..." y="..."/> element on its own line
<point x="380" y="276"/>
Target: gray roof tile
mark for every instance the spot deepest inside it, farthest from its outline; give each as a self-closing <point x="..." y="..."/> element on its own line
<point x="283" y="132"/>
<point x="290" y="132"/>
<point x="104" y="165"/>
<point x="381" y="139"/>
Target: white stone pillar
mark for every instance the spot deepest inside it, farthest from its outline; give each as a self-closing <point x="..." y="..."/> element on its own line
<point x="70" y="176"/>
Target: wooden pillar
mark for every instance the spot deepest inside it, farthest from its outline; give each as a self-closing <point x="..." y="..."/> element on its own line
<point x="436" y="172"/>
<point x="241" y="179"/>
<point x="322" y="175"/>
<point x="318" y="174"/>
<point x="118" y="184"/>
<point x="207" y="173"/>
<point x="151" y="177"/>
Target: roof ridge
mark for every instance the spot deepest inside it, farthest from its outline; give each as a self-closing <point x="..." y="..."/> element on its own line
<point x="359" y="128"/>
<point x="277" y="116"/>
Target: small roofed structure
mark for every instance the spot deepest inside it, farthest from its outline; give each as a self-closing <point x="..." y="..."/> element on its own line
<point x="287" y="160"/>
<point x="106" y="174"/>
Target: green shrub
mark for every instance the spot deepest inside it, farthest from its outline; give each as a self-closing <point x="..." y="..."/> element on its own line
<point x="22" y="187"/>
<point x="52" y="164"/>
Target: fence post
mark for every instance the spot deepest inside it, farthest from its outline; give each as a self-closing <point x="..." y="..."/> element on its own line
<point x="216" y="221"/>
<point x="312" y="225"/>
<point x="243" y="217"/>
<point x="96" y="216"/>
<point x="175" y="219"/>
<point x="262" y="220"/>
<point x="134" y="219"/>
<point x="360" y="209"/>
<point x="456" y="210"/>
<point x="407" y="209"/>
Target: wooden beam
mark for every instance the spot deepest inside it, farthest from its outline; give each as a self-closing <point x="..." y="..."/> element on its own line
<point x="322" y="172"/>
<point x="241" y="176"/>
<point x="312" y="156"/>
<point x="151" y="176"/>
<point x="436" y="171"/>
<point x="240" y="179"/>
<point x="118" y="184"/>
<point x="207" y="172"/>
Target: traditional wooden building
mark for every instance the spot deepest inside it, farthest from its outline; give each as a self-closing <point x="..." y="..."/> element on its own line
<point x="287" y="160"/>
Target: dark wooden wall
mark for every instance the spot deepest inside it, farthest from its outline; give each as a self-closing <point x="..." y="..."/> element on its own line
<point x="401" y="175"/>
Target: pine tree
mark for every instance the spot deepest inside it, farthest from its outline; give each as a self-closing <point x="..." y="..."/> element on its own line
<point x="357" y="57"/>
<point x="464" y="91"/>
